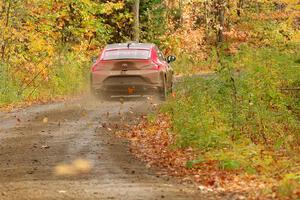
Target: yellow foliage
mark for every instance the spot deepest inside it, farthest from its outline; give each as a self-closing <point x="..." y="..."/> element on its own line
<point x="296" y="36"/>
<point x="38" y="45"/>
<point x="109" y="7"/>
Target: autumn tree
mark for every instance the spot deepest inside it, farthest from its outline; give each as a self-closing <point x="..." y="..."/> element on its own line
<point x="136" y="24"/>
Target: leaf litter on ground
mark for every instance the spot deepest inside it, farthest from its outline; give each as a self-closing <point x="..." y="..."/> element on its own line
<point x="154" y="143"/>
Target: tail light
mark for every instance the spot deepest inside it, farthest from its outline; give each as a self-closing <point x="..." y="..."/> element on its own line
<point x="97" y="67"/>
<point x="156" y="67"/>
<point x="94" y="68"/>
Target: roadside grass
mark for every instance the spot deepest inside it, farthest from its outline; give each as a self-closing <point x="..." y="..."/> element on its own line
<point x="70" y="74"/>
<point x="186" y="65"/>
<point x="67" y="74"/>
<point x="245" y="116"/>
<point x="8" y="87"/>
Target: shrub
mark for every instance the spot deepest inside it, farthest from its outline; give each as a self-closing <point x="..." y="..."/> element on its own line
<point x="246" y="102"/>
<point x="8" y="87"/>
<point x="67" y="75"/>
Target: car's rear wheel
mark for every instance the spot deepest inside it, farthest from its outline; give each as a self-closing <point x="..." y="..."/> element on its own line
<point x="99" y="95"/>
<point x="163" y="93"/>
<point x="104" y="96"/>
<point x="93" y="92"/>
<point x="171" y="88"/>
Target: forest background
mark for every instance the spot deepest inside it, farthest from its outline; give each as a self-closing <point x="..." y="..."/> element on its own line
<point x="246" y="116"/>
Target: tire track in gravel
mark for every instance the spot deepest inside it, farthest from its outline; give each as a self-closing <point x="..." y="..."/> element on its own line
<point x="31" y="149"/>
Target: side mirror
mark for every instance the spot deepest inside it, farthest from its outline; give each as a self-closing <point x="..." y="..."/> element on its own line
<point x="170" y="59"/>
<point x="94" y="59"/>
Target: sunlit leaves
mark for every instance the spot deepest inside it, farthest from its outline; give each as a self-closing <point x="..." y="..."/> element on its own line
<point x="109" y="7"/>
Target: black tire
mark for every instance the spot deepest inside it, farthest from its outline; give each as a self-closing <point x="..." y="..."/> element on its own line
<point x="99" y="95"/>
<point x="171" y="89"/>
<point x="103" y="96"/>
<point x="163" y="93"/>
<point x="93" y="92"/>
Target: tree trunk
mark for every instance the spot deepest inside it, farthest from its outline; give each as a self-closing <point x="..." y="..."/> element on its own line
<point x="239" y="7"/>
<point x="221" y="20"/>
<point x="206" y="15"/>
<point x="181" y="11"/>
<point x="3" y="47"/>
<point x="136" y="25"/>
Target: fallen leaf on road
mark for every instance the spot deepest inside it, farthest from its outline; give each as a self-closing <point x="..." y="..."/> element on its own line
<point x="45" y="120"/>
<point x="83" y="113"/>
<point x="78" y="166"/>
<point x="151" y="142"/>
<point x="205" y="189"/>
<point x="134" y="139"/>
<point x="82" y="166"/>
<point x="65" y="170"/>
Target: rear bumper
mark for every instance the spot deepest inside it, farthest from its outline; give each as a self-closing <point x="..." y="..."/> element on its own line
<point x="127" y="89"/>
<point x="115" y="83"/>
<point x="147" y="76"/>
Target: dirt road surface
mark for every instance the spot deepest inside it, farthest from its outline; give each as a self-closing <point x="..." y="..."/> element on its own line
<point x="65" y="151"/>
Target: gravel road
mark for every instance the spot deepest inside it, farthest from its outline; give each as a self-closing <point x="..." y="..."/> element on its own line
<point x="65" y="151"/>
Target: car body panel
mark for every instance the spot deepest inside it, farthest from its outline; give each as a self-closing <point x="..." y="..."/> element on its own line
<point x="135" y="76"/>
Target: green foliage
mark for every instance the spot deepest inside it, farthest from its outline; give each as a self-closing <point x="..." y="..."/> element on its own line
<point x="185" y="65"/>
<point x="251" y="103"/>
<point x="7" y="94"/>
<point x="195" y="115"/>
<point x="229" y="165"/>
<point x="191" y="163"/>
<point x="69" y="74"/>
<point x="289" y="184"/>
<point x="175" y="15"/>
<point x="244" y="108"/>
<point x="77" y="20"/>
<point x="152" y="117"/>
<point x="46" y="45"/>
<point x="117" y="19"/>
<point x="153" y="21"/>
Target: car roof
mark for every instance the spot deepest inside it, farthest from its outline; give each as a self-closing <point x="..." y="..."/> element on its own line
<point x="130" y="44"/>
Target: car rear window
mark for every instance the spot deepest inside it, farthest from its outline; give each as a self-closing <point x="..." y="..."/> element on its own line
<point x="126" y="54"/>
